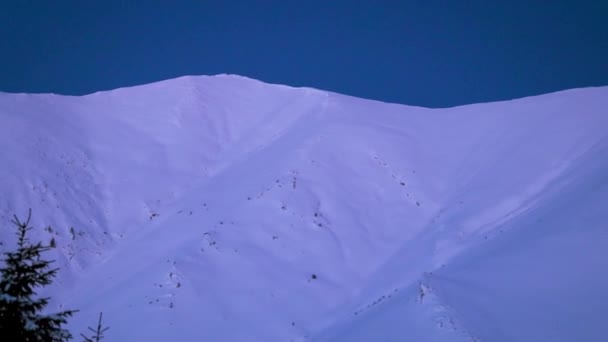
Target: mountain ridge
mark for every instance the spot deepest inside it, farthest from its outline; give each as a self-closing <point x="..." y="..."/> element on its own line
<point x="280" y="210"/>
<point x="190" y="78"/>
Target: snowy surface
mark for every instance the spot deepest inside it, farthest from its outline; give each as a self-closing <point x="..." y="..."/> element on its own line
<point x="223" y="208"/>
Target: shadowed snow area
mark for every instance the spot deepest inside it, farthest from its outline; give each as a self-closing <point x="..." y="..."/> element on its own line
<point x="223" y="208"/>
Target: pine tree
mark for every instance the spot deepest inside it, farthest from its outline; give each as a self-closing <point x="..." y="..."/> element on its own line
<point x="20" y="311"/>
<point x="97" y="333"/>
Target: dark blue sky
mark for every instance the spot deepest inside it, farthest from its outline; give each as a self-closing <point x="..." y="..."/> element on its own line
<point x="431" y="53"/>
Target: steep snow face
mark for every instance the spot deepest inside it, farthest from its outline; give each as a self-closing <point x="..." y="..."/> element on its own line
<point x="534" y="276"/>
<point x="107" y="163"/>
<point x="223" y="208"/>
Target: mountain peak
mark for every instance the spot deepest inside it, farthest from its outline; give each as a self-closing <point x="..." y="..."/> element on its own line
<point x="274" y="213"/>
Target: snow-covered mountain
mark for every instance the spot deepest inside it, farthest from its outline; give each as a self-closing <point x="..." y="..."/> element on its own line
<point x="226" y="209"/>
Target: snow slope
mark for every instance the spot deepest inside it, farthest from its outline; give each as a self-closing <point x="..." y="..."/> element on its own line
<point x="224" y="208"/>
